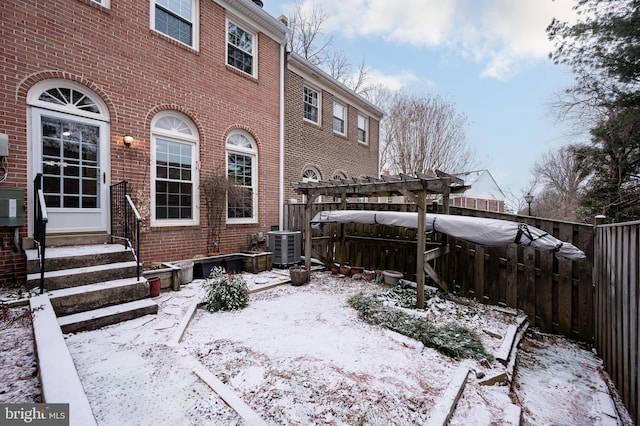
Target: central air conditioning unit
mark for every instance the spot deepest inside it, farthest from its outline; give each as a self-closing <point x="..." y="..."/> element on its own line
<point x="285" y="246"/>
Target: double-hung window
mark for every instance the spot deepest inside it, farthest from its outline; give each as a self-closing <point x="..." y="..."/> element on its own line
<point x="174" y="173"/>
<point x="240" y="49"/>
<point x="363" y="129"/>
<point x="339" y="118"/>
<point x="311" y="105"/>
<point x="176" y="19"/>
<point x="242" y="166"/>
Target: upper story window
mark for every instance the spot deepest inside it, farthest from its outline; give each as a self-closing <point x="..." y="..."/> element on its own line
<point x="104" y="3"/>
<point x="177" y="19"/>
<point x="240" y="48"/>
<point x="311" y="105"/>
<point x="339" y="118"/>
<point x="363" y="129"/>
<point x="242" y="169"/>
<point x="174" y="144"/>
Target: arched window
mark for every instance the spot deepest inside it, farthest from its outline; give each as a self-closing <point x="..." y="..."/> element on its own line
<point x="310" y="175"/>
<point x="67" y="97"/>
<point x="339" y="175"/>
<point x="242" y="169"/>
<point x="174" y="147"/>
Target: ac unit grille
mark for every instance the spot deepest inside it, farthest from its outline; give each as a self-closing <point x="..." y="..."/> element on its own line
<point x="285" y="246"/>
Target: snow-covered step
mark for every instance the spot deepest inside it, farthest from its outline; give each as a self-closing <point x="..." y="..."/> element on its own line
<point x="78" y="256"/>
<point x="90" y="320"/>
<point x="66" y="278"/>
<point x="92" y="296"/>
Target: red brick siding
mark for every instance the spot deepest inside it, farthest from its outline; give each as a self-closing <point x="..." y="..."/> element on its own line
<point x="310" y="145"/>
<point x="138" y="72"/>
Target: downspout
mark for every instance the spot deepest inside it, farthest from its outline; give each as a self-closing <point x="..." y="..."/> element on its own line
<point x="283" y="52"/>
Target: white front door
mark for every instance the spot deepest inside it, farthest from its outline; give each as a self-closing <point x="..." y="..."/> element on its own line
<point x="71" y="152"/>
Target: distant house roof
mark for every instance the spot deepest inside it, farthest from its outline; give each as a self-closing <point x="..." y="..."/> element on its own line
<point x="315" y="75"/>
<point x="483" y="185"/>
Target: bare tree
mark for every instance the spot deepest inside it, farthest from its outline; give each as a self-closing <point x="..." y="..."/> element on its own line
<point x="307" y="37"/>
<point x="562" y="185"/>
<point x="422" y="134"/>
<point x="309" y="41"/>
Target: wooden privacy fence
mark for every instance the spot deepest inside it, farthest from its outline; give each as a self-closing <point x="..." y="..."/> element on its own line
<point x="557" y="295"/>
<point x="616" y="276"/>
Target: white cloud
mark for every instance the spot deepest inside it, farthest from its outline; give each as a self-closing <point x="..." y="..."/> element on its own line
<point x="498" y="34"/>
<point x="393" y="82"/>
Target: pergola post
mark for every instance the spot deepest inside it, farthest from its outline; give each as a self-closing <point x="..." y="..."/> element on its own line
<point x="421" y="237"/>
<point x="307" y="231"/>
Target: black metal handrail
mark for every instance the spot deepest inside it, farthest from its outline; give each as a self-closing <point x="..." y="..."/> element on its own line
<point x="40" y="219"/>
<point x="125" y="220"/>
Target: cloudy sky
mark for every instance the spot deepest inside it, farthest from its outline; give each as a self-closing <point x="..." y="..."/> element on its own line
<point x="488" y="57"/>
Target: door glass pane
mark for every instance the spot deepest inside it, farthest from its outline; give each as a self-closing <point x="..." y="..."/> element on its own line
<point x="70" y="152"/>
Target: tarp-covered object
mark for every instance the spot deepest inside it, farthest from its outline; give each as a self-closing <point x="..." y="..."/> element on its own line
<point x="487" y="232"/>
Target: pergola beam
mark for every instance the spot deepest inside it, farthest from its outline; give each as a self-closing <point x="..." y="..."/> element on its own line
<point x="416" y="188"/>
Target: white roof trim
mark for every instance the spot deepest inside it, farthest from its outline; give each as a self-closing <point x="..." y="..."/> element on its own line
<point x="257" y="17"/>
<point x="315" y="76"/>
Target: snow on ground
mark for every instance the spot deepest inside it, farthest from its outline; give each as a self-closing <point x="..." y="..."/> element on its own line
<point x="300" y="355"/>
<point x="18" y="366"/>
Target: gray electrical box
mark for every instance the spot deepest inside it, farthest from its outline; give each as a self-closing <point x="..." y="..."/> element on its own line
<point x="4" y="145"/>
<point x="11" y="207"/>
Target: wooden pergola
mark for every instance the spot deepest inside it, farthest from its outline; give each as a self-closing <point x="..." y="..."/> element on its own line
<point x="416" y="188"/>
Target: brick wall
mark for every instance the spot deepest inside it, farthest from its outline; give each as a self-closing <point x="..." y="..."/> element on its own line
<point x="317" y="146"/>
<point x="138" y="72"/>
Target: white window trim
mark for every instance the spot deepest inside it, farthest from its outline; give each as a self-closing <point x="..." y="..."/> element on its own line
<point x="254" y="46"/>
<point x="344" y="118"/>
<point x="103" y="3"/>
<point x="311" y="169"/>
<point x="319" y="92"/>
<point x="253" y="152"/>
<point x="42" y="86"/>
<point x="181" y="138"/>
<point x="195" y="24"/>
<point x="366" y="130"/>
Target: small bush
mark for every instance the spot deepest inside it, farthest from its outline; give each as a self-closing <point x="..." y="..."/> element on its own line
<point x="225" y="292"/>
<point x="450" y="339"/>
<point x="406" y="297"/>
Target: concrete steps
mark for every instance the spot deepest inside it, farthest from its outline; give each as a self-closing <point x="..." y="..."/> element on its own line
<point x="59" y="258"/>
<point x="74" y="277"/>
<point x="93" y="296"/>
<point x="97" y="318"/>
<point x="91" y="286"/>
